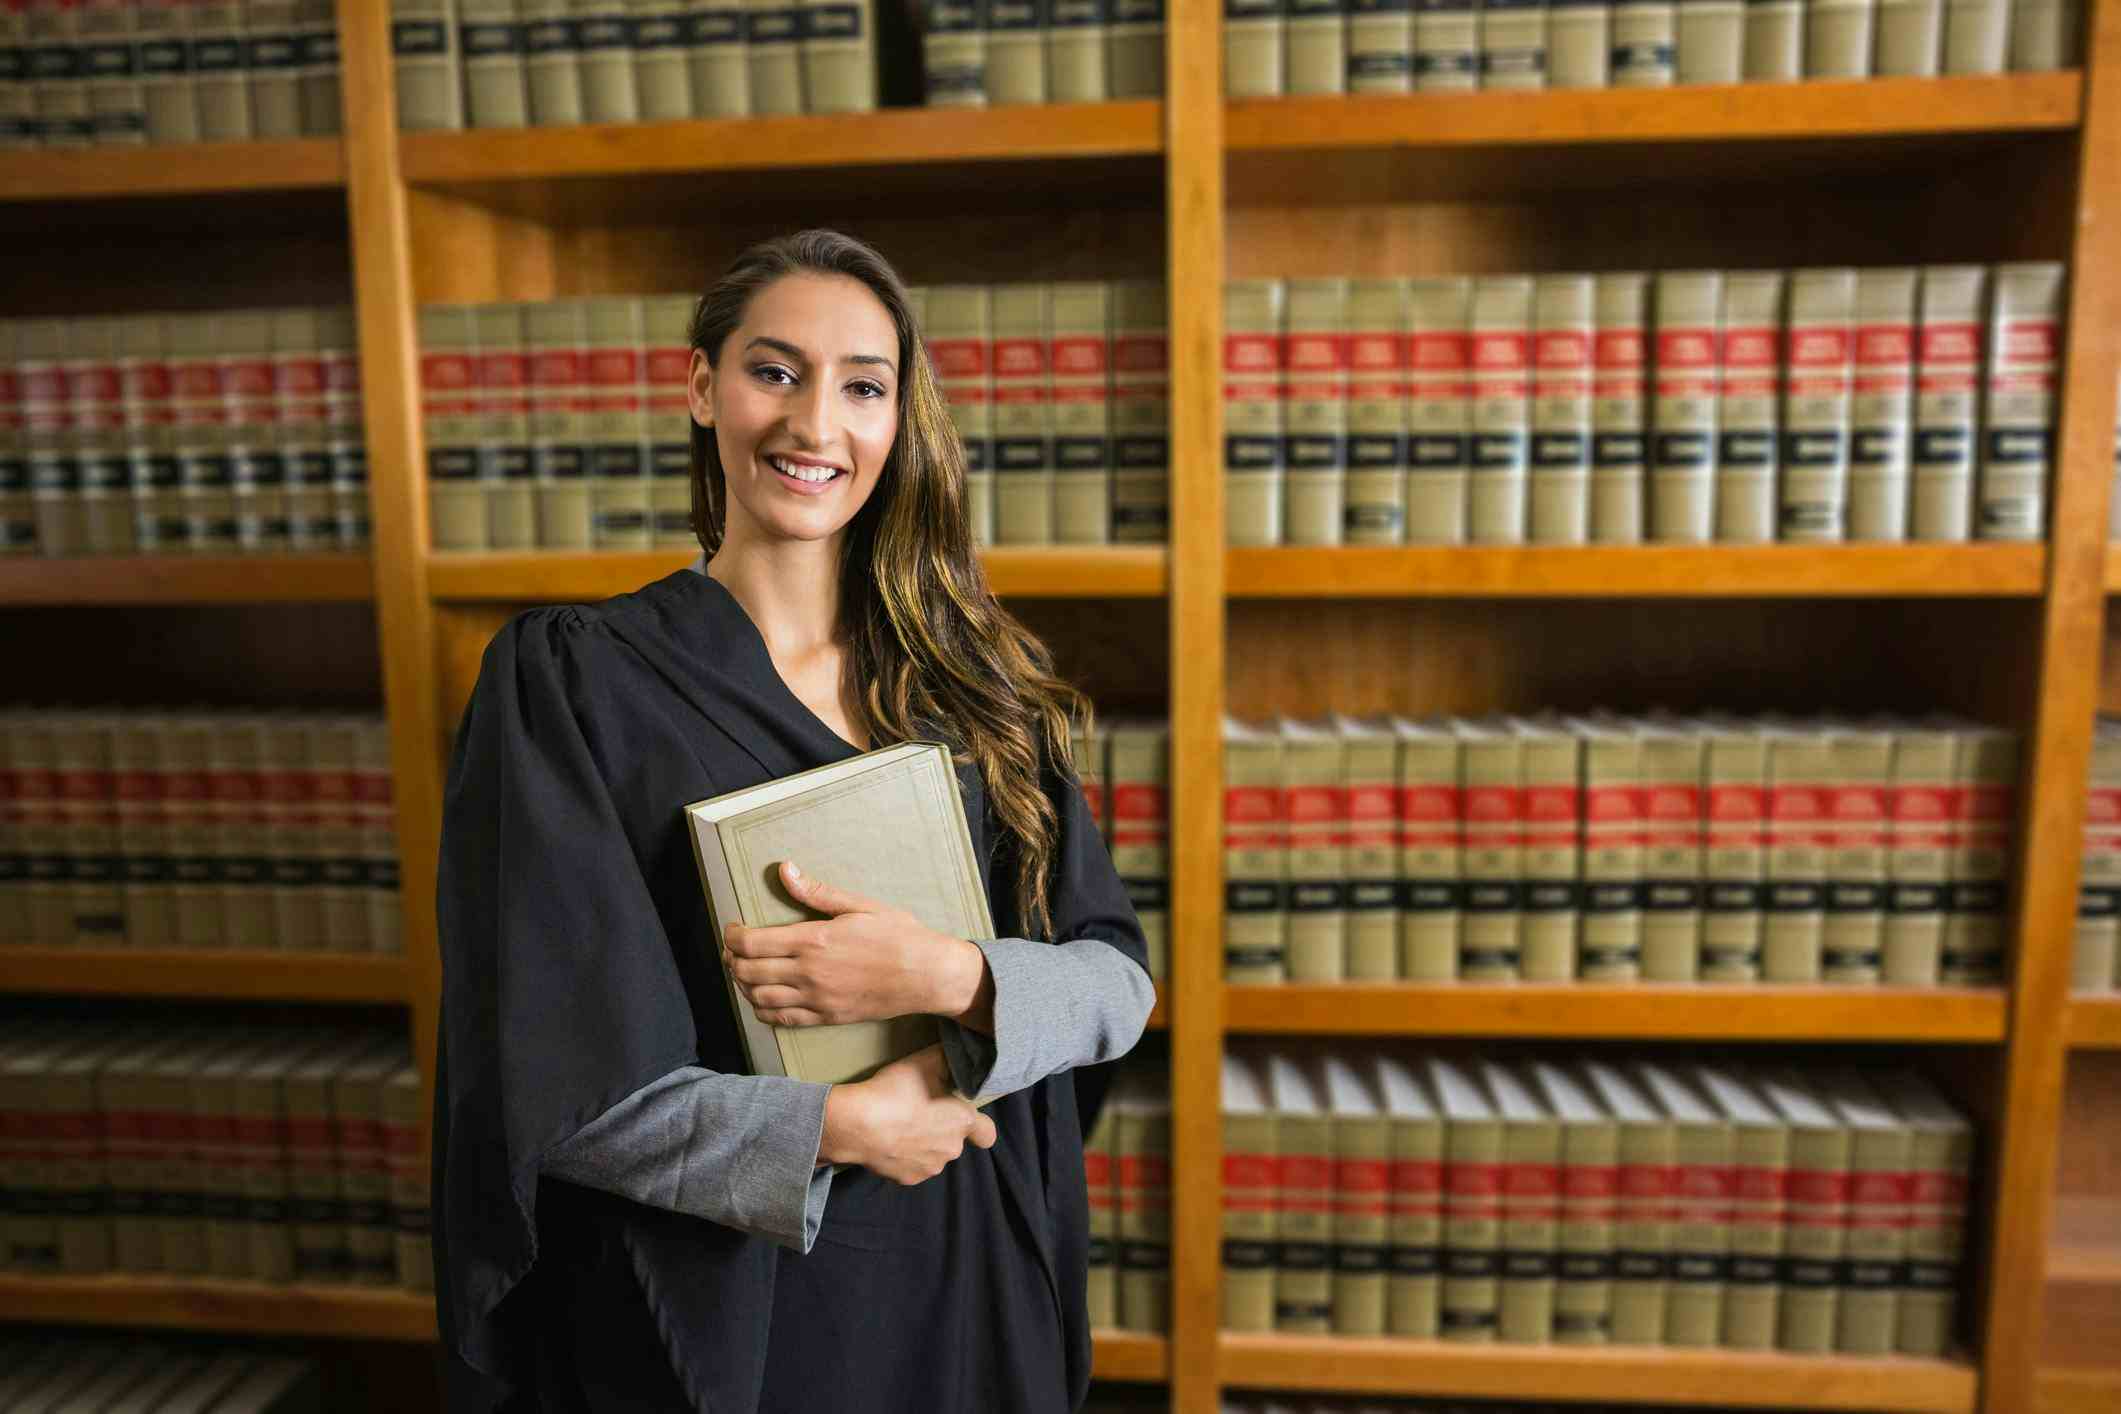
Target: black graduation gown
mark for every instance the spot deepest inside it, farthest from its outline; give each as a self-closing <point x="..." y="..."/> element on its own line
<point x="578" y="966"/>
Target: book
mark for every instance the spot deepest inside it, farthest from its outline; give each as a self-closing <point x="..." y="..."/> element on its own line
<point x="1683" y="447"/>
<point x="1141" y="828"/>
<point x="887" y="824"/>
<point x="1253" y="49"/>
<point x="1814" y="1241"/>
<point x="1446" y="46"/>
<point x="1362" y="1162"/>
<point x="773" y="58"/>
<point x="1314" y="409"/>
<point x="1439" y="410"/>
<point x="718" y="57"/>
<point x="1774" y="40"/>
<point x="117" y="103"/>
<point x="1563" y="319"/>
<point x="1080" y="359"/>
<point x="1921" y="835"/>
<point x="662" y="71"/>
<point x="1749" y="412"/>
<point x="1016" y="51"/>
<point x="1255" y="854"/>
<point x="1800" y="770"/>
<point x="1985" y="775"/>
<point x="1376" y="507"/>
<point x="959" y="334"/>
<point x="1252" y="410"/>
<point x="1134" y="49"/>
<point x="954" y="53"/>
<point x="1380" y="46"/>
<point x="1643" y="1209"/>
<point x="168" y="93"/>
<point x="304" y="407"/>
<point x="492" y="38"/>
<point x="358" y="1100"/>
<point x="88" y="805"/>
<point x="1415" y="1206"/>
<point x="1619" y="408"/>
<point x="1251" y="1195"/>
<point x="1101" y="1291"/>
<point x="2046" y="34"/>
<point x="1760" y="1154"/>
<point x="318" y="76"/>
<point x="1908" y="38"/>
<point x="1531" y="1206"/>
<point x="837" y="44"/>
<point x="1815" y="414"/>
<point x="1370" y="866"/>
<point x="1315" y="46"/>
<point x="2018" y="416"/>
<point x="1143" y="1102"/>
<point x="613" y="430"/>
<point x="239" y="843"/>
<point x="1470" y="1294"/>
<point x="506" y="468"/>
<point x="2096" y="960"/>
<point x="1613" y="834"/>
<point x="1711" y="41"/>
<point x="666" y="367"/>
<point x="1734" y="855"/>
<point x="1940" y="1159"/>
<point x="343" y="436"/>
<point x="1303" y="1197"/>
<point x="1513" y="44"/>
<point x="1589" y="1193"/>
<point x="603" y="37"/>
<point x="423" y="48"/>
<point x="1704" y="1193"/>
<point x="1491" y="928"/>
<point x="1550" y="766"/>
<point x="1671" y="755"/>
<point x="556" y="336"/>
<point x="1881" y="404"/>
<point x="1837" y="38"/>
<point x="1501" y="366"/>
<point x="1141" y="413"/>
<point x="1947" y="407"/>
<point x="1860" y="762"/>
<point x="422" y="51"/>
<point x="1431" y="850"/>
<point x="1975" y="32"/>
<point x="1879" y="1154"/>
<point x="1023" y="415"/>
<point x="449" y="406"/>
<point x="187" y="757"/>
<point x="1315" y="805"/>
<point x="1579" y="44"/>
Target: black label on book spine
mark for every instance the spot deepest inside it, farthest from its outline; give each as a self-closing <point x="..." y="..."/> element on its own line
<point x="1464" y="1321"/>
<point x="1372" y="895"/>
<point x="1081" y="454"/>
<point x="1374" y="451"/>
<point x="1639" y="1266"/>
<point x="453" y="464"/>
<point x="108" y="61"/>
<point x="558" y="463"/>
<point x="1470" y="1264"/>
<point x="1550" y="895"/>
<point x="1144" y="1256"/>
<point x="1813" y="446"/>
<point x="1077" y="14"/>
<point x="616" y="461"/>
<point x="605" y="32"/>
<point x="1852" y="897"/>
<point x="1147" y="895"/>
<point x="412" y="39"/>
<point x="54" y="63"/>
<point x="1316" y="896"/>
<point x="1251" y="452"/>
<point x="658" y="33"/>
<point x="2022" y="445"/>
<point x="1527" y="1266"/>
<point x="1753" y="1271"/>
<point x="1312" y="452"/>
<point x="1257" y="955"/>
<point x="1553" y="451"/>
<point x="1811" y="1273"/>
<point x="1943" y="446"/>
<point x="1752" y="448"/>
<point x="710" y="27"/>
<point x="550" y="37"/>
<point x="1492" y="895"/>
<point x="1616" y="449"/>
<point x="1359" y="1258"/>
<point x="272" y="53"/>
<point x="1252" y="9"/>
<point x="1586" y="1266"/>
<point x="1253" y="896"/>
<point x="1723" y="896"/>
<point x="1379" y="64"/>
<point x="1698" y="1266"/>
<point x="489" y="41"/>
<point x="1434" y="451"/>
<point x="1141" y="453"/>
<point x="1415" y="1261"/>
<point x="1681" y="451"/>
<point x="1611" y="897"/>
<point x="1497" y="451"/>
<point x="1914" y="898"/>
<point x="951" y="17"/>
<point x="1429" y="895"/>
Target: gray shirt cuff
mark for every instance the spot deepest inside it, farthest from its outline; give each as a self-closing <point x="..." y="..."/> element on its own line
<point x="740" y="1150"/>
<point x="1056" y="1006"/>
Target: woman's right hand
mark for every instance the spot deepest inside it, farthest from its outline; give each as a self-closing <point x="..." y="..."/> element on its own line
<point x="904" y="1122"/>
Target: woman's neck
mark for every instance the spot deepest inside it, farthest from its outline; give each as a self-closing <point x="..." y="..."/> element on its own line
<point x="791" y="591"/>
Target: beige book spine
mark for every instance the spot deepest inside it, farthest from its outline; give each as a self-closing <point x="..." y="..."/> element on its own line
<point x="1619" y="408"/>
<point x="273" y="55"/>
<point x="1016" y="52"/>
<point x="604" y="59"/>
<point x="1774" y="40"/>
<point x="1145" y="1216"/>
<point x="1023" y="415"/>
<point x="1446" y="46"/>
<point x="960" y="340"/>
<point x="1940" y="1159"/>
<point x="1501" y="370"/>
<point x="240" y="841"/>
<point x="96" y="414"/>
<point x="78" y="1191"/>
<point x="299" y="392"/>
<point x="1753" y="1300"/>
<point x="187" y="763"/>
<point x="423" y="48"/>
<point x="143" y="833"/>
<point x="1838" y="38"/>
<point x="359" y="1125"/>
<point x="1551" y="835"/>
<point x="1801" y="786"/>
<point x="718" y="57"/>
<point x="1141" y="413"/>
<point x="1986" y="770"/>
<point x="1645" y="43"/>
<point x="334" y="747"/>
<point x="1315" y="799"/>
<point x="1439" y="410"/>
<point x="501" y="426"/>
<point x="180" y="1176"/>
<point x="48" y="898"/>
<point x="379" y="837"/>
<point x="1530" y="1231"/>
<point x="344" y="437"/>
<point x="1590" y="1188"/>
<point x="1253" y="440"/>
<point x="1255" y="859"/>
<point x="1613" y="833"/>
<point x="1376" y="512"/>
<point x="168" y="89"/>
<point x="317" y="25"/>
<point x="1361" y="1226"/>
<point x="1513" y="44"/>
<point x="449" y="407"/>
<point x="1734" y="853"/>
<point x="2046" y="34"/>
<point x="1372" y="856"/>
<point x="258" y="473"/>
<point x="1380" y="46"/>
<point x="666" y="360"/>
<point x="1711" y="41"/>
<point x="109" y="70"/>
<point x="53" y="472"/>
<point x="557" y="335"/>
<point x="1562" y="316"/>
<point x="1315" y="46"/>
<point x="1254" y="48"/>
<point x="1683" y="448"/>
<point x="215" y="1101"/>
<point x="1868" y="1322"/>
<point x="1579" y="44"/>
<point x="1749" y="413"/>
<point x="404" y="1116"/>
<point x="130" y="1168"/>
<point x="1431" y="827"/>
<point x="838" y="45"/>
<point x="1315" y="410"/>
<point x="1080" y="358"/>
<point x="954" y="54"/>
<point x="1141" y="830"/>
<point x="1102" y="1289"/>
<point x="1491" y="931"/>
<point x="1919" y="860"/>
<point x="14" y="887"/>
<point x="1814" y="1239"/>
<point x="1820" y="350"/>
<point x="18" y="515"/>
<point x="261" y="1138"/>
<point x="773" y="55"/>
<point x="1303" y="1270"/>
<point x="316" y="1192"/>
<point x="496" y="92"/>
<point x="614" y="426"/>
<point x="222" y="81"/>
<point x="2097" y="963"/>
<point x="2018" y="438"/>
<point x="1412" y="1291"/>
<point x="1947" y="402"/>
<point x="1910" y="34"/>
<point x="1251" y="1180"/>
<point x="1853" y="944"/>
<point x="1974" y="36"/>
<point x="1470" y="1293"/>
<point x="1880" y="407"/>
<point x="1672" y="860"/>
<point x="1134" y="49"/>
<point x="552" y="77"/>
<point x="60" y="97"/>
<point x="1642" y="1232"/>
<point x="88" y="805"/>
<point x="1700" y="1234"/>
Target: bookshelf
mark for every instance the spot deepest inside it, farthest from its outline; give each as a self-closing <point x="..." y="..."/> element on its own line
<point x="1198" y="190"/>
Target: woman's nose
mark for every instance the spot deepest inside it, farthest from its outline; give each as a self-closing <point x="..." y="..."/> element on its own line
<point x="810" y="419"/>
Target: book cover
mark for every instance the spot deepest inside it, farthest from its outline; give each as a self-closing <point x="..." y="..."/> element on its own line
<point x="1550" y="764"/>
<point x="959" y="333"/>
<point x="1909" y="36"/>
<point x="258" y="473"/>
<point x="1023" y="415"/>
<point x="1817" y="1221"/>
<point x="1439" y="410"/>
<point x="773" y="62"/>
<point x="357" y="1107"/>
<point x="143" y="838"/>
<point x="335" y="746"/>
<point x="1470" y="1294"/>
<point x="1590" y="1188"/>
<point x="272" y="52"/>
<point x="1613" y="833"/>
<point x="1683" y="448"/>
<point x="1255" y="854"/>
<point x="1940" y="1160"/>
<point x="954" y="53"/>
<point x="187" y="757"/>
<point x="343" y="434"/>
<point x="1315" y="46"/>
<point x="1075" y="52"/>
<point x="456" y="501"/>
<point x="2096" y="962"/>
<point x="1362" y="1163"/>
<point x="1303" y="1197"/>
<point x="88" y="803"/>
<point x="220" y="1143"/>
<point x="1579" y="44"/>
<point x="1749" y="413"/>
<point x="1141" y="828"/>
<point x="1643" y="1209"/>
<point x="1947" y="409"/>
<point x="604" y="60"/>
<point x="1501" y="372"/>
<point x="1446" y="46"/>
<point x="492" y="38"/>
<point x="1143" y="1102"/>
<point x="423" y="49"/>
<point x="1141" y="413"/>
<point x="1562" y="318"/>
<point x="239" y="842"/>
<point x="2018" y="416"/>
<point x="1016" y="51"/>
<point x="1880" y="407"/>
<point x="1315" y="410"/>
<point x="1380" y="46"/>
<point x="662" y="74"/>
<point x="304" y="409"/>
<point x="1491" y="931"/>
<point x="1254" y="48"/>
<point x="423" y="54"/>
<point x="613" y="430"/>
<point x="506" y="467"/>
<point x="1734" y="850"/>
<point x="1081" y="364"/>
<point x="1252" y="411"/>
<point x="1774" y="40"/>
<point x="1414" y="1206"/>
<point x="1431" y="850"/>
<point x="1923" y="808"/>
<point x="1815" y="412"/>
<point x="1672" y="798"/>
<point x="718" y="58"/>
<point x="2045" y="34"/>
<point x="1702" y="1207"/>
<point x="1837" y="38"/>
<point x="1251" y="1195"/>
<point x="1619" y="408"/>
<point x="556" y="333"/>
<point x="168" y="92"/>
<point x="1860" y="762"/>
<point x="666" y="366"/>
<point x="1099" y="1172"/>
<point x="318" y="77"/>
<point x="1371" y="845"/>
<point x="1134" y="49"/>
<point x="1880" y="1147"/>
<point x="1315" y="799"/>
<point x="1760" y="1152"/>
<point x="1376" y="512"/>
<point x="1799" y="820"/>
<point x="1711" y="41"/>
<point x="837" y="42"/>
<point x="1513" y="44"/>
<point x="1531" y="1206"/>
<point x="1985" y="774"/>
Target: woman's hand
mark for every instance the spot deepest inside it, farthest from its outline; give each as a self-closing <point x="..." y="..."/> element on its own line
<point x="904" y="1122"/>
<point x="865" y="963"/>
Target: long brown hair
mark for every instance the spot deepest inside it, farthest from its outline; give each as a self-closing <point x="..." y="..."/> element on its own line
<point x="937" y="655"/>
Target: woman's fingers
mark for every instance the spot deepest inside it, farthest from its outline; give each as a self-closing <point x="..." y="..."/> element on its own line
<point x="790" y="1016"/>
<point x="756" y="971"/>
<point x="983" y="1133"/>
<point x="815" y="893"/>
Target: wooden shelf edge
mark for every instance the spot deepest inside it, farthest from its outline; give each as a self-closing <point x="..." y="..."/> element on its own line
<point x="249" y="1308"/>
<point x="245" y="976"/>
<point x="531" y="576"/>
<point x="1645" y="1010"/>
<point x="2094" y="1023"/>
<point x="2077" y="1391"/>
<point x="135" y="580"/>
<point x="1641" y="571"/>
<point x="1880" y="107"/>
<point x="1129" y="1355"/>
<point x="1629" y="1374"/>
<point x="2084" y="1243"/>
<point x="172" y="169"/>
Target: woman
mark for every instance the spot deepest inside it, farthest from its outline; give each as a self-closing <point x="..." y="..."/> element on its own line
<point x="625" y="1220"/>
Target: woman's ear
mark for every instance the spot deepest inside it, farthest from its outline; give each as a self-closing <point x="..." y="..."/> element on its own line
<point x="699" y="389"/>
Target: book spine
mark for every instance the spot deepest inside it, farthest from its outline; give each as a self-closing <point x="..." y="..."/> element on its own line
<point x="1936" y="1240"/>
<point x="88" y="798"/>
<point x="1253" y="48"/>
<point x="1415" y="1208"/>
<point x="1552" y="837"/>
<point x="1975" y="927"/>
<point x="194" y="871"/>
<point x="1614" y="827"/>
<point x="423" y="52"/>
<point x="1683" y="448"/>
<point x="299" y="387"/>
<point x="1579" y="44"/>
<point x="407" y="1202"/>
<point x="492" y="41"/>
<point x="117" y="102"/>
<point x="1439" y="412"/>
<point x="773" y="56"/>
<point x="1879" y="1202"/>
<point x="1734" y="859"/>
<point x="505" y="468"/>
<point x="1380" y="46"/>
<point x="1642" y="1236"/>
<point x="142" y="849"/>
<point x="1141" y="414"/>
<point x="1711" y="41"/>
<point x="1431" y="809"/>
<point x="58" y="76"/>
<point x="718" y="58"/>
<point x="1751" y="396"/>
<point x="1513" y="44"/>
<point x="1947" y="403"/>
<point x="666" y="361"/>
<point x="604" y="61"/>
<point x="1251" y="1200"/>
<point x="1362" y="1175"/>
<point x="339" y="822"/>
<point x="954" y="54"/>
<point x="1316" y="801"/>
<point x="559" y="453"/>
<point x="18" y="519"/>
<point x="662" y="74"/>
<point x="2045" y="33"/>
<point x="180" y="1183"/>
<point x="317" y="72"/>
<point x="614" y="428"/>
<point x="1141" y="844"/>
<point x="1376" y="512"/>
<point x="1501" y="368"/>
<point x="1023" y="416"/>
<point x="1491" y="934"/>
<point x="1372" y="862"/>
<point x="1134" y="51"/>
<point x="1619" y="409"/>
<point x="2018" y="442"/>
<point x="288" y="790"/>
<point x="1315" y="48"/>
<point x="1315" y="411"/>
<point x="1701" y="1236"/>
<point x="373" y="785"/>
<point x="2097" y="962"/>
<point x="1837" y="38"/>
<point x="1671" y="858"/>
<point x="214" y="1137"/>
<point x="1753" y="1298"/>
<point x="456" y="503"/>
<point x="1145" y="1225"/>
<point x="1016" y="51"/>
<point x="1880" y="407"/>
<point x="1814" y="1247"/>
<point x="1255" y="862"/>
<point x="1470" y="1291"/>
<point x="54" y="470"/>
<point x="1799" y="839"/>
<point x="370" y="1239"/>
<point x="1303" y="1274"/>
<point x="1774" y="40"/>
<point x="1560" y="510"/>
<point x="273" y="55"/>
<point x="1446" y="46"/>
<point x="1529" y="1234"/>
<point x="261" y="1142"/>
<point x="1253" y="363"/>
<point x="1816" y="406"/>
<point x="1590" y="1192"/>
<point x="1080" y="358"/>
<point x="1853" y="946"/>
<point x="236" y="794"/>
<point x="344" y="438"/>
<point x="838" y="46"/>
<point x="317" y="1200"/>
<point x="79" y="1200"/>
<point x="254" y="424"/>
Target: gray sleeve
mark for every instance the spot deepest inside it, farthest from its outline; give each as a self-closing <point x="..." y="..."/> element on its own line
<point x="740" y="1150"/>
<point x="1055" y="1007"/>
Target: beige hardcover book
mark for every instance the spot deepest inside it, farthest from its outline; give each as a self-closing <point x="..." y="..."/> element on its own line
<point x="1141" y="413"/>
<point x="2046" y="34"/>
<point x="717" y="57"/>
<point x="150" y="436"/>
<point x="1376" y="512"/>
<point x="1551" y="771"/>
<point x="379" y="837"/>
<point x="1909" y="37"/>
<point x="1619" y="408"/>
<point x="1471" y="1290"/>
<point x="1774" y="40"/>
<point x="1141" y="828"/>
<point x="501" y="426"/>
<point x="168" y="88"/>
<point x="1362" y="1140"/>
<point x="344" y="435"/>
<point x="1380" y="46"/>
<point x="2018" y="416"/>
<point x="614" y="427"/>
<point x="888" y="824"/>
<point x="143" y="832"/>
<point x="1837" y="38"/>
<point x="1371" y="748"/>
<point x="54" y="472"/>
<point x="14" y="886"/>
<point x="220" y="1150"/>
<point x="1881" y="404"/>
<point x="1562" y="320"/>
<point x="604" y="57"/>
<point x="187" y="772"/>
<point x="404" y="1117"/>
<point x="1671" y="766"/>
<point x="258" y="466"/>
<point x="1734" y="850"/>
<point x="171" y="1122"/>
<point x="357" y="1108"/>
<point x="1701" y="1210"/>
<point x="1579" y="44"/>
<point x="18" y="515"/>
<point x="1880" y="1147"/>
<point x="1513" y="45"/>
<point x="1760" y="1154"/>
<point x="1315" y="805"/>
<point x="1493" y="866"/>
<point x="1947" y="402"/>
<point x="552" y="75"/>
<point x="838" y="46"/>
<point x="261" y="1142"/>
<point x="1918" y="864"/>
<point x="1501" y="369"/>
<point x="1414" y="1206"/>
<point x="449" y="424"/>
<point x="1431" y="850"/>
<point x="1683" y="447"/>
<point x="1801" y="777"/>
<point x="666" y="366"/>
<point x="1439" y="410"/>
<point x="1940" y="1158"/>
<point x="1814" y="1237"/>
<point x="241" y="843"/>
<point x="1315" y="410"/>
<point x="1016" y="51"/>
<point x="1143" y="1100"/>
<point x="1101" y="1292"/>
<point x="1303" y="1138"/>
<point x="1589" y="1193"/>
<point x="1079" y="358"/>
<point x="1252" y="411"/>
<point x="1251" y="1199"/>
<point x="1531" y="1206"/>
<point x="1860" y="763"/>
<point x="88" y="807"/>
<point x="1749" y="413"/>
<point x="48" y="897"/>
<point x="304" y="418"/>
<point x="1645" y="43"/>
<point x="59" y="88"/>
<point x="1642" y="1237"/>
<point x="2096" y="963"/>
<point x="334" y="747"/>
<point x="556" y="333"/>
<point x="273" y="54"/>
<point x="317" y="1194"/>
<point x="1023" y="415"/>
<point x="496" y="92"/>
<point x="1446" y="46"/>
<point x="1315" y="49"/>
<point x="1255" y="854"/>
<point x="131" y="1167"/>
<point x="317" y="77"/>
<point x="1815" y="412"/>
<point x="29" y="1227"/>
<point x="960" y="338"/>
<point x="96" y="384"/>
<point x="1613" y="832"/>
<point x="78" y="1190"/>
<point x="1711" y="41"/>
<point x="1089" y="751"/>
<point x="423" y="50"/>
<point x="1134" y="49"/>
<point x="1985" y="770"/>
<point x="954" y="54"/>
<point x="222" y="83"/>
<point x="1253" y="48"/>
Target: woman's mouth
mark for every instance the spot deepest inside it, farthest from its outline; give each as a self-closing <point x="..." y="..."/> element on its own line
<point x="805" y="478"/>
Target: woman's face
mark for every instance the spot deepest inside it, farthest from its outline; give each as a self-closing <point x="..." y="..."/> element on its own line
<point x="803" y="405"/>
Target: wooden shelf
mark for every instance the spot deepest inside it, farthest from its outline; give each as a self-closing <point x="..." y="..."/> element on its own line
<point x="533" y="576"/>
<point x="2085" y="1248"/>
<point x="1644" y="1011"/>
<point x="1386" y="147"/>
<point x="2077" y="1391"/>
<point x="1129" y="1355"/>
<point x="235" y="976"/>
<point x="250" y="1308"/>
<point x="1633" y="572"/>
<point x="131" y="580"/>
<point x="172" y="169"/>
<point x="2095" y="1022"/>
<point x="1621" y="1374"/>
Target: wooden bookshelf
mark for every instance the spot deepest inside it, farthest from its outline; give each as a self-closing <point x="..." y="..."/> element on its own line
<point x="196" y="1304"/>
<point x="1633" y="1375"/>
<point x="1642" y="1011"/>
<point x="2095" y="1022"/>
<point x="1129" y="1355"/>
<point x="2086" y="1247"/>
<point x="2077" y="1391"/>
<point x="147" y="580"/>
<point x="241" y="976"/>
<point x="171" y="169"/>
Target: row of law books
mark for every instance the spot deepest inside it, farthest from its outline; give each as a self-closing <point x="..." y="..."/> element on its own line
<point x="198" y="830"/>
<point x="138" y="71"/>
<point x="1685" y="407"/>
<point x="271" y="1154"/>
<point x="2096" y="966"/>
<point x="236" y="432"/>
<point x="1127" y="1170"/>
<point x="1615" y="849"/>
<point x="981" y="53"/>
<point x="1124" y="766"/>
<point x="117" y="1375"/>
<point x="1758" y="1206"/>
<point x="1277" y="47"/>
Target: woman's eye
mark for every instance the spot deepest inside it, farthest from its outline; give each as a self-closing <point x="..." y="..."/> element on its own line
<point x="772" y="373"/>
<point x="867" y="390"/>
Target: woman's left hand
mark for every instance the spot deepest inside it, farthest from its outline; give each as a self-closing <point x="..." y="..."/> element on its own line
<point x="868" y="962"/>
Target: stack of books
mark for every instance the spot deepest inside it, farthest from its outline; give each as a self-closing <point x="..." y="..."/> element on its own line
<point x="982" y="52"/>
<point x="237" y="432"/>
<point x="1616" y="849"/>
<point x="1689" y="407"/>
<point x="270" y="1153"/>
<point x="205" y="830"/>
<point x="2097" y="964"/>
<point x="1127" y="1166"/>
<point x="127" y="1375"/>
<point x="1588" y="1202"/>
<point x="1274" y="47"/>
<point x="1125" y="768"/>
<point x="139" y="71"/>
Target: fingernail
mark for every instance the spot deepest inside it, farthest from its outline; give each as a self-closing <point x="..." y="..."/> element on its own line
<point x="794" y="873"/>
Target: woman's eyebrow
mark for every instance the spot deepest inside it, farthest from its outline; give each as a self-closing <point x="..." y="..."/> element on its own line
<point x="792" y="351"/>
